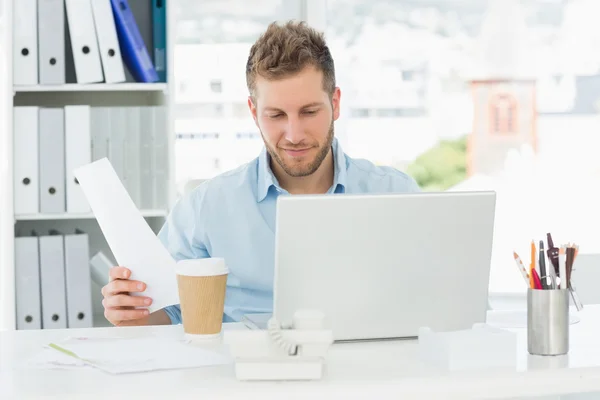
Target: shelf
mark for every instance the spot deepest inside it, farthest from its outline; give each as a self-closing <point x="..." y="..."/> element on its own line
<point x="94" y="87"/>
<point x="39" y="217"/>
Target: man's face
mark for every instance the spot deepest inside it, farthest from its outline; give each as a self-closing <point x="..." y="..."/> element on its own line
<point x="295" y="117"/>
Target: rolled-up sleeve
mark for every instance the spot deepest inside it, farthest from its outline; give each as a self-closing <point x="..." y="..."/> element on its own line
<point x="182" y="235"/>
<point x="174" y="313"/>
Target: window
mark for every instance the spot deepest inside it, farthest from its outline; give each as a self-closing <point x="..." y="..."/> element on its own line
<point x="359" y="112"/>
<point x="475" y="95"/>
<point x="216" y="86"/>
<point x="214" y="129"/>
<point x="193" y="111"/>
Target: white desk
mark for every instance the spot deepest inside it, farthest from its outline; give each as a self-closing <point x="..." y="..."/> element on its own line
<point x="387" y="369"/>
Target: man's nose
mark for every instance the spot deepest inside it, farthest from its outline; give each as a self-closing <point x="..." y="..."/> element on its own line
<point x="294" y="132"/>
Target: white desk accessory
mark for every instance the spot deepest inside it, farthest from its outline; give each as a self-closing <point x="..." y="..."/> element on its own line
<point x="280" y="353"/>
<point x="477" y="348"/>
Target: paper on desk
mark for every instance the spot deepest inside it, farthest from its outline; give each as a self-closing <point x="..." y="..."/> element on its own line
<point x="133" y="243"/>
<point x="49" y="358"/>
<point x="120" y="356"/>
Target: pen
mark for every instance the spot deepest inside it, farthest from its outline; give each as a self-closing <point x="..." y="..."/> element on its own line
<point x="543" y="273"/>
<point x="562" y="268"/>
<point x="532" y="266"/>
<point x="536" y="280"/>
<point x="521" y="267"/>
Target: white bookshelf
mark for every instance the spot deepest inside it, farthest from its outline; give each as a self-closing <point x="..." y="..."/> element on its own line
<point x="102" y="87"/>
<point x="126" y="94"/>
<point x="43" y="217"/>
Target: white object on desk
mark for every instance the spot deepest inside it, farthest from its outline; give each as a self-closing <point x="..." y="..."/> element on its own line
<point x="282" y="354"/>
<point x="476" y="348"/>
<point x="118" y="356"/>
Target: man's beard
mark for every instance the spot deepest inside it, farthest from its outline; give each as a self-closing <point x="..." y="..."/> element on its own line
<point x="312" y="166"/>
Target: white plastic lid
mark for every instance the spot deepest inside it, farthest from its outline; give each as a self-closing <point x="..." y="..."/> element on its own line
<point x="202" y="267"/>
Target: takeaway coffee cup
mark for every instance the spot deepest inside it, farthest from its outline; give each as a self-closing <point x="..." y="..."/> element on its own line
<point x="201" y="284"/>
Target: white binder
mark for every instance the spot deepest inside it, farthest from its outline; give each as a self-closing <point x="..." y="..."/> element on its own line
<point x="27" y="283"/>
<point x="25" y="42"/>
<point x="100" y="117"/>
<point x="52" y="160"/>
<point x="132" y="146"/>
<point x="146" y="158"/>
<point x="51" y="42"/>
<point x="78" y="152"/>
<point x="78" y="280"/>
<point x="160" y="154"/>
<point x="116" y="139"/>
<point x="88" y="67"/>
<point x="52" y="272"/>
<point x="26" y="185"/>
<point x="108" y="43"/>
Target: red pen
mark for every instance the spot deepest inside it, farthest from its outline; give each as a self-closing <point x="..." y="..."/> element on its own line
<point x="536" y="280"/>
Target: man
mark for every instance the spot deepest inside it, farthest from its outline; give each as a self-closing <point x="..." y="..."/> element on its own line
<point x="294" y="101"/>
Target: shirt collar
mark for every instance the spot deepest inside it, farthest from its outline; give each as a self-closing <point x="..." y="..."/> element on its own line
<point x="266" y="179"/>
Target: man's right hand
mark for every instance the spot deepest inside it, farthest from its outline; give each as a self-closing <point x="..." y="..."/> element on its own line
<point x="120" y="307"/>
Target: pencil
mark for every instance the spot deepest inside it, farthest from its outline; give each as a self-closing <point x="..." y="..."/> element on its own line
<point x="532" y="266"/>
<point x="521" y="267"/>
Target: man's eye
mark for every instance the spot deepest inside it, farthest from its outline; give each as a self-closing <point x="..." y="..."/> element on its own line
<point x="274" y="116"/>
<point x="310" y="112"/>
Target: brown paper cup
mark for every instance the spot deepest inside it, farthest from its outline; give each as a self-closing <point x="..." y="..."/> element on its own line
<point x="202" y="284"/>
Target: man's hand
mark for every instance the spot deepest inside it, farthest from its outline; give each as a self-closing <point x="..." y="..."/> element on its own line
<point x="120" y="307"/>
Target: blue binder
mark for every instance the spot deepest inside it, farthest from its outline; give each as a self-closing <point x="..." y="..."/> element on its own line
<point x="134" y="51"/>
<point x="159" y="36"/>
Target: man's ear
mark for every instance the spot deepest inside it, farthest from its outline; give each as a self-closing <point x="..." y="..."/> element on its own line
<point x="252" y="108"/>
<point x="335" y="102"/>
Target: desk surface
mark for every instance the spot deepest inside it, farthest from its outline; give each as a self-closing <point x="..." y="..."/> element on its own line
<point x="364" y="370"/>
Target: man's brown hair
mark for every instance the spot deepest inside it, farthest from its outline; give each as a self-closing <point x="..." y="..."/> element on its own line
<point x="284" y="50"/>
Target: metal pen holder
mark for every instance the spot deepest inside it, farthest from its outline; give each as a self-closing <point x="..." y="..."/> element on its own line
<point x="548" y="321"/>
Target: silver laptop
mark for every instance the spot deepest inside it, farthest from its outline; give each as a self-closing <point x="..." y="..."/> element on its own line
<point x="382" y="266"/>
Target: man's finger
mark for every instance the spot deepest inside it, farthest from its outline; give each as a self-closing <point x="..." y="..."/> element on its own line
<point x="123" y="300"/>
<point x="119" y="272"/>
<point x="123" y="286"/>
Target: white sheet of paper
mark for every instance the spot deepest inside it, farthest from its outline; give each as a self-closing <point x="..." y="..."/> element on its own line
<point x="51" y="359"/>
<point x="121" y="356"/>
<point x="132" y="241"/>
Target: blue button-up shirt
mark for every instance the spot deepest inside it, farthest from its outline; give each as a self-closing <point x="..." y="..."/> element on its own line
<point x="233" y="216"/>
